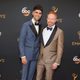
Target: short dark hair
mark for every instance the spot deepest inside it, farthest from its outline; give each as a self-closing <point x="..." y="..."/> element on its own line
<point x="38" y="7"/>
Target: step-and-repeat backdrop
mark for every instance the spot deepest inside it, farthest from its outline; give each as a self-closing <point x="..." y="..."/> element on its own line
<point x="12" y="16"/>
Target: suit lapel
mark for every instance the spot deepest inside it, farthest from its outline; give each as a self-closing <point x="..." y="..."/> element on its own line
<point x="51" y="37"/>
<point x="42" y="37"/>
<point x="40" y="30"/>
<point x="34" y="30"/>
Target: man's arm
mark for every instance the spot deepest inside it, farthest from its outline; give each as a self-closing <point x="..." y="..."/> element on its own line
<point x="23" y="34"/>
<point x="60" y="45"/>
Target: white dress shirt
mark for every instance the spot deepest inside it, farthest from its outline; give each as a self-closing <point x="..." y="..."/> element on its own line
<point x="46" y="34"/>
<point x="36" y="26"/>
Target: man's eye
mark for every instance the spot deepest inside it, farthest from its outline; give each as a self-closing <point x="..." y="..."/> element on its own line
<point x="38" y="13"/>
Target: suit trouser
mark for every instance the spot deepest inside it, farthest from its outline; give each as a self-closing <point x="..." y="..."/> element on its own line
<point x="40" y="69"/>
<point x="28" y="70"/>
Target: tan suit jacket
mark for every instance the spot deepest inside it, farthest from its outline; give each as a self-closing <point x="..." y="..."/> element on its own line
<point x="53" y="50"/>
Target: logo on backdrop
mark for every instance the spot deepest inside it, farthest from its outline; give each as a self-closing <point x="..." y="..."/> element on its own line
<point x="0" y="76"/>
<point x="2" y="60"/>
<point x="25" y="11"/>
<point x="0" y="34"/>
<point x="79" y="15"/>
<point x="56" y="10"/>
<point x="76" y="60"/>
<point x="78" y="33"/>
<point x="2" y="16"/>
<point x="74" y="75"/>
<point x="77" y="43"/>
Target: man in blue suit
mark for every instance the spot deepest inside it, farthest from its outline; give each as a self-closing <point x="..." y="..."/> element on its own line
<point x="29" y="43"/>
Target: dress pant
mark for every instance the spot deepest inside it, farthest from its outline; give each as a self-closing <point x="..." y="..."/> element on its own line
<point x="41" y="66"/>
<point x="28" y="70"/>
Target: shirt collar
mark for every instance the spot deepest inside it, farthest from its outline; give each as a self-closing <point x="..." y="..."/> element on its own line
<point x="33" y="21"/>
<point x="53" y="26"/>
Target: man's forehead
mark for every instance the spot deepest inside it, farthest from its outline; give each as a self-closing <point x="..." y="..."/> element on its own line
<point x="38" y="10"/>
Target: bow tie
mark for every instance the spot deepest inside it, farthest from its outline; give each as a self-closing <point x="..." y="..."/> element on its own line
<point x="37" y="24"/>
<point x="49" y="28"/>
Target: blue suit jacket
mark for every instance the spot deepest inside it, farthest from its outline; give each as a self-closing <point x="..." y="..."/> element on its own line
<point x="29" y="41"/>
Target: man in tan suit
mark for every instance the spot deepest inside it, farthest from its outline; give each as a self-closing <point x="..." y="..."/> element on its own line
<point x="51" y="48"/>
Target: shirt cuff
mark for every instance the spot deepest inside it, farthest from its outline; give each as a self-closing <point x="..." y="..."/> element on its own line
<point x="57" y="64"/>
<point x="23" y="57"/>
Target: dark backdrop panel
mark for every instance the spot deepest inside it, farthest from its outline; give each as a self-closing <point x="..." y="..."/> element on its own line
<point x="69" y="10"/>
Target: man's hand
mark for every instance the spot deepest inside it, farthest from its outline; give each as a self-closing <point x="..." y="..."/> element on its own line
<point x="54" y="66"/>
<point x="24" y="60"/>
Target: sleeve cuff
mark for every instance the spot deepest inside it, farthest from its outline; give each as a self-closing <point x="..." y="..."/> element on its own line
<point x="23" y="57"/>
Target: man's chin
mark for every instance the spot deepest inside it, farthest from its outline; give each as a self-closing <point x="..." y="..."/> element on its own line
<point x="37" y="19"/>
<point x="50" y="25"/>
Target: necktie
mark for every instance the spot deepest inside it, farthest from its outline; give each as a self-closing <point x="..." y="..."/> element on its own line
<point x="37" y="24"/>
<point x="49" y="28"/>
